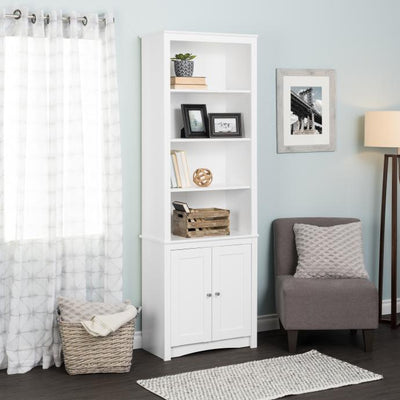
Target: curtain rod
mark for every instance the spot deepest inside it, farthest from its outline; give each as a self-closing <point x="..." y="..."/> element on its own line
<point x="17" y="14"/>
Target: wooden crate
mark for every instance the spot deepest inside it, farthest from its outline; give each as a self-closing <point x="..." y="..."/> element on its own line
<point x="201" y="222"/>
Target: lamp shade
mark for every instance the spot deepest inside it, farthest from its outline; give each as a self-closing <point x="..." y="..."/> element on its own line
<point x="382" y="129"/>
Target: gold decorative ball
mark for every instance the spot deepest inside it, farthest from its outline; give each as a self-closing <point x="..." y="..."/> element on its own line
<point x="202" y="177"/>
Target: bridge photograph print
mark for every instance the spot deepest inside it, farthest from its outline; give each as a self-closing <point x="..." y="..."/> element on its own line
<point x="305" y="110"/>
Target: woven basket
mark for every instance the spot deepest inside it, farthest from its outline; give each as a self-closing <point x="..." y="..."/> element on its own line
<point x="87" y="354"/>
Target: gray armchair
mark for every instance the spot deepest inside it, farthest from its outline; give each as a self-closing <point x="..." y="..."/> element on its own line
<point x="319" y="304"/>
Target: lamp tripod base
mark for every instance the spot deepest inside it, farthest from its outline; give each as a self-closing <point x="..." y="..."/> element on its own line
<point x="393" y="318"/>
<point x="388" y="320"/>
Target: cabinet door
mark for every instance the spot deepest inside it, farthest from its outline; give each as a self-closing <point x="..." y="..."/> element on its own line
<point x="231" y="292"/>
<point x="191" y="296"/>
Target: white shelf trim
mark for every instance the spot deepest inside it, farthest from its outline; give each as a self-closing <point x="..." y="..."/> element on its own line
<point x="232" y="236"/>
<point x="207" y="37"/>
<point x="210" y="140"/>
<point x="181" y="240"/>
<point x="235" y="36"/>
<point x="208" y="189"/>
<point x="208" y="91"/>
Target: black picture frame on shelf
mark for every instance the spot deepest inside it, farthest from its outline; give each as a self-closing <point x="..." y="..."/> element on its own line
<point x="195" y="121"/>
<point x="225" y="124"/>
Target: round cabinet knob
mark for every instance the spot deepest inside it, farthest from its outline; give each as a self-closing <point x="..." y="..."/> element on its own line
<point x="217" y="294"/>
<point x="209" y="295"/>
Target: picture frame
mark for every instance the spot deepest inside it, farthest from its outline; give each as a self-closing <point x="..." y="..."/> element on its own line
<point x="225" y="124"/>
<point x="305" y="110"/>
<point x="195" y="121"/>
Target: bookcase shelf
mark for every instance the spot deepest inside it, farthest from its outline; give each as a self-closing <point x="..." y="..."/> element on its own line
<point x="208" y="188"/>
<point x="177" y="273"/>
<point x="220" y="102"/>
<point x="209" y="140"/>
<point x="233" y="236"/>
<point x="210" y="91"/>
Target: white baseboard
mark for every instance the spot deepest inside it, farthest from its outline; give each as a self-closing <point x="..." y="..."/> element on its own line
<point x="137" y="340"/>
<point x="270" y="322"/>
<point x="386" y="306"/>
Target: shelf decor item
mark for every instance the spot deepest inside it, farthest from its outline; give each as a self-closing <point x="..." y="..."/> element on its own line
<point x="180" y="170"/>
<point x="202" y="177"/>
<point x="382" y="129"/>
<point x="200" y="222"/>
<point x="181" y="206"/>
<point x="225" y="125"/>
<point x="305" y="110"/>
<point x="195" y="121"/>
<point x="183" y="64"/>
<point x="188" y="82"/>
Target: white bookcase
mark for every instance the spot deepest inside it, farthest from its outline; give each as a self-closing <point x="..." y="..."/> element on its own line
<point x="199" y="293"/>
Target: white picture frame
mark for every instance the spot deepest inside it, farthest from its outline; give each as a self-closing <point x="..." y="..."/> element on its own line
<point x="306" y="110"/>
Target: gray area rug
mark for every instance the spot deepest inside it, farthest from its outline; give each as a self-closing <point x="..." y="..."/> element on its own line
<point x="261" y="380"/>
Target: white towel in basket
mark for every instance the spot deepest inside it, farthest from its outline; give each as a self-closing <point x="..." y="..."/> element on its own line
<point x="103" y="325"/>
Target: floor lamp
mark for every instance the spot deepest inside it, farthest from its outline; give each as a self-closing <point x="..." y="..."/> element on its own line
<point x="382" y="129"/>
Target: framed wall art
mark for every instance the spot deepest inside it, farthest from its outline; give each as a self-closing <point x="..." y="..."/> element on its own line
<point x="305" y="110"/>
<point x="195" y="121"/>
<point x="225" y="125"/>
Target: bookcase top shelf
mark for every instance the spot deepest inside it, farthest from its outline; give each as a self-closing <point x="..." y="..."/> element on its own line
<point x="208" y="37"/>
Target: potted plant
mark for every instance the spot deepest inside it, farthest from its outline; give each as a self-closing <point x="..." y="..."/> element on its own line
<point x="183" y="64"/>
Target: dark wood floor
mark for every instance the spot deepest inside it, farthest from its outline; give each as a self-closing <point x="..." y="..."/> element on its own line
<point x="55" y="383"/>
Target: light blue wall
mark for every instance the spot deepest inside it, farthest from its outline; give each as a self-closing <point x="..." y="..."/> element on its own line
<point x="360" y="39"/>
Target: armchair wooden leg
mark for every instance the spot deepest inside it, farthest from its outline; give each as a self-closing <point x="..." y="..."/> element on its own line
<point x="368" y="335"/>
<point x="292" y="340"/>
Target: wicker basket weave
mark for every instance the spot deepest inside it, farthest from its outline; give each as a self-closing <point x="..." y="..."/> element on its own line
<point x="87" y="354"/>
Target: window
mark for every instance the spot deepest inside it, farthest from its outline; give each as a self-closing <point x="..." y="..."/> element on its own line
<point x="52" y="151"/>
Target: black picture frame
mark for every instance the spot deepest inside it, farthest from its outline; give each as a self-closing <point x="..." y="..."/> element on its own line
<point x="219" y="124"/>
<point x="190" y="115"/>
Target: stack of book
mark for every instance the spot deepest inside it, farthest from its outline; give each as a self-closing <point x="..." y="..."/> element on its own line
<point x="180" y="177"/>
<point x="188" y="82"/>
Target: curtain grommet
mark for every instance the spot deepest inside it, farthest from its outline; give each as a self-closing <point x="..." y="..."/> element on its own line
<point x="33" y="18"/>
<point x="17" y="13"/>
<point x="84" y="21"/>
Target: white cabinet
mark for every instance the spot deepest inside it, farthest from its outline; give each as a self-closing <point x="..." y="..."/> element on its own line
<point x="211" y="294"/>
<point x="231" y="283"/>
<point x="199" y="293"/>
<point x="190" y="296"/>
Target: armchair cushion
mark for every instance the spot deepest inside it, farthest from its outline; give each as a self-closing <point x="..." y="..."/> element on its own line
<point x="326" y="303"/>
<point x="329" y="252"/>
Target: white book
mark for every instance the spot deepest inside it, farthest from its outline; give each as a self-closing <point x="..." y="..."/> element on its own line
<point x="186" y="169"/>
<point x="174" y="183"/>
<point x="176" y="169"/>
<point x="183" y="168"/>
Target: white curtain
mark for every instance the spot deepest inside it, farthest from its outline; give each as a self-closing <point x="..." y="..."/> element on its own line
<point x="60" y="177"/>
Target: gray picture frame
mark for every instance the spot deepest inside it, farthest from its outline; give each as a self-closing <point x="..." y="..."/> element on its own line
<point x="300" y="79"/>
